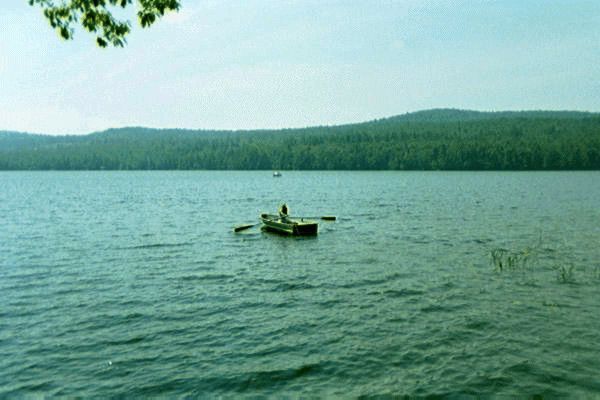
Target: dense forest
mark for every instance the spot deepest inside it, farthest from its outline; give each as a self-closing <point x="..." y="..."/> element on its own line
<point x="442" y="139"/>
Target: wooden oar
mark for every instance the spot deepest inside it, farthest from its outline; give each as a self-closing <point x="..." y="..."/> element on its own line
<point x="325" y="217"/>
<point x="244" y="227"/>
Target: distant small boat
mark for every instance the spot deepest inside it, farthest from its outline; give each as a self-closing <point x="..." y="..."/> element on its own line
<point x="277" y="174"/>
<point x="289" y="226"/>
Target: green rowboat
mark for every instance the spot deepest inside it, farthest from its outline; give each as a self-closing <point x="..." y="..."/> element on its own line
<point x="289" y="225"/>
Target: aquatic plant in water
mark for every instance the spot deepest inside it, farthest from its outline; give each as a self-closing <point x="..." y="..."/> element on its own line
<point x="509" y="259"/>
<point x="541" y="258"/>
<point x="565" y="273"/>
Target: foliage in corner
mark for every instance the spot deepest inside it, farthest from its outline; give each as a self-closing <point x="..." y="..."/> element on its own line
<point x="96" y="17"/>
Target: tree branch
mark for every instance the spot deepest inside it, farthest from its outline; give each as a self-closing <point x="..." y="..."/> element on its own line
<point x="96" y="17"/>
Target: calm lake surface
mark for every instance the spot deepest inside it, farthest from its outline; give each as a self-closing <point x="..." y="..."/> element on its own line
<point x="133" y="284"/>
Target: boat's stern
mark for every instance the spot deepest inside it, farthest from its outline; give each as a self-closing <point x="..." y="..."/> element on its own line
<point x="306" y="228"/>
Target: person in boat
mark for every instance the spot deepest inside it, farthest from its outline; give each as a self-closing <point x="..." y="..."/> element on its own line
<point x="283" y="212"/>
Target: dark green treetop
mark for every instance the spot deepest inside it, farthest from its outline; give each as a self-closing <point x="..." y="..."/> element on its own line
<point x="96" y="16"/>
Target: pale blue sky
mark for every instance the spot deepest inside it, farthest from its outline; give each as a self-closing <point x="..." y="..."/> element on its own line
<point x="273" y="64"/>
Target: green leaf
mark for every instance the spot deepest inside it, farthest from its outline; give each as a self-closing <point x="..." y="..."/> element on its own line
<point x="101" y="42"/>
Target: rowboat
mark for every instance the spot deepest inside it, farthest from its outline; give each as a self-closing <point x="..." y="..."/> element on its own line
<point x="277" y="174"/>
<point x="289" y="225"/>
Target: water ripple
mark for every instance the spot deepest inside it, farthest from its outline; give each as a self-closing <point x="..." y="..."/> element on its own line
<point x="134" y="285"/>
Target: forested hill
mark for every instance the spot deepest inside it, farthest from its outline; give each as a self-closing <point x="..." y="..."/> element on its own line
<point x="444" y="139"/>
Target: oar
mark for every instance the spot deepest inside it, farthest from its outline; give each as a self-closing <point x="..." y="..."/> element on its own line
<point x="328" y="217"/>
<point x="325" y="217"/>
<point x="244" y="227"/>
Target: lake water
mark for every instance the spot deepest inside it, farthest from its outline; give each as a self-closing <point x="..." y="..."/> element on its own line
<point x="133" y="284"/>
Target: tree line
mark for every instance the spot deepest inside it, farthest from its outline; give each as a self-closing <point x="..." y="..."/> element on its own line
<point x="429" y="140"/>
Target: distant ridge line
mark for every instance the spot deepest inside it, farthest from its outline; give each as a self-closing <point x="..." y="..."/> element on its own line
<point x="442" y="139"/>
<point x="426" y="116"/>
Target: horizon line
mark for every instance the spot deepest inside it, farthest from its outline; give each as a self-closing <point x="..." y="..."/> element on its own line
<point x="306" y="126"/>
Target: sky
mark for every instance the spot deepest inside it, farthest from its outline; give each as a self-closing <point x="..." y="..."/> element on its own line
<point x="267" y="64"/>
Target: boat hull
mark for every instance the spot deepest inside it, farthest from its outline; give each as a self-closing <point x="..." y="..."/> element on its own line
<point x="289" y="226"/>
